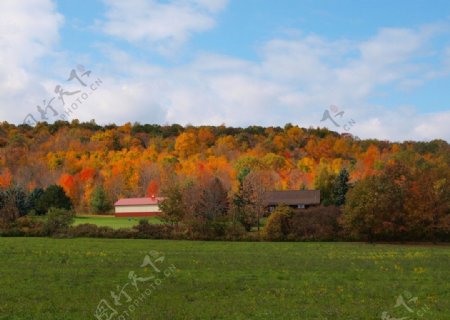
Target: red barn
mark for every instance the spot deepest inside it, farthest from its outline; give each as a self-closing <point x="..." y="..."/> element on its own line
<point x="138" y="207"/>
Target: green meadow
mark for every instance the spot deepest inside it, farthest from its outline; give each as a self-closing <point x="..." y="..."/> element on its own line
<point x="111" y="221"/>
<point x="43" y="278"/>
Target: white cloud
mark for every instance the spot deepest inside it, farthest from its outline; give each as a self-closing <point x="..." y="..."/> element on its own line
<point x="165" y="25"/>
<point x="28" y="31"/>
<point x="294" y="81"/>
<point x="434" y="125"/>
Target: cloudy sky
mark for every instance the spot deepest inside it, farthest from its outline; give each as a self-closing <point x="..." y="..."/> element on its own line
<point x="380" y="69"/>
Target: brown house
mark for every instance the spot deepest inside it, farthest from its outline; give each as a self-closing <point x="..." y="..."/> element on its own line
<point x="296" y="199"/>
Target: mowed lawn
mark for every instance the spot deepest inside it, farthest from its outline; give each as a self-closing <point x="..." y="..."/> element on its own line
<point x="111" y="221"/>
<point x="45" y="278"/>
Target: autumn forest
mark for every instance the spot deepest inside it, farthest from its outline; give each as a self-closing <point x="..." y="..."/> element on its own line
<point x="395" y="190"/>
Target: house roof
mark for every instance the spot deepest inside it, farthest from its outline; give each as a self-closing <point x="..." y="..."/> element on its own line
<point x="293" y="197"/>
<point x="138" y="201"/>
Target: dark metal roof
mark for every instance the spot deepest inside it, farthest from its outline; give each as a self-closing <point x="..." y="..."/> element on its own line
<point x="293" y="197"/>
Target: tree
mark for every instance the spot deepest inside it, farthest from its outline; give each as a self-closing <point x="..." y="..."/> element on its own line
<point x="99" y="201"/>
<point x="172" y="205"/>
<point x="427" y="203"/>
<point x="324" y="182"/>
<point x="374" y="209"/>
<point x="211" y="208"/>
<point x="278" y="226"/>
<point x="213" y="203"/>
<point x="186" y="144"/>
<point x="53" y="197"/>
<point x="241" y="209"/>
<point x="9" y="212"/>
<point x="241" y="203"/>
<point x="340" y="188"/>
<point x="152" y="189"/>
<point x="18" y="196"/>
<point x="256" y="184"/>
<point x="33" y="198"/>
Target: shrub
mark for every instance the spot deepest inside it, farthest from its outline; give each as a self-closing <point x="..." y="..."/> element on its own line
<point x="30" y="226"/>
<point x="83" y="230"/>
<point x="278" y="225"/>
<point x="58" y="220"/>
<point x="235" y="231"/>
<point x="318" y="224"/>
<point x="152" y="231"/>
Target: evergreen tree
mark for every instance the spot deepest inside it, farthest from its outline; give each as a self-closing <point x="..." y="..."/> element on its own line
<point x="33" y="198"/>
<point x="99" y="201"/>
<point x="53" y="197"/>
<point x="340" y="188"/>
<point x="241" y="203"/>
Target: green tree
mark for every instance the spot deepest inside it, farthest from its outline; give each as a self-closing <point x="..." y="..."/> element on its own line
<point x="241" y="203"/>
<point x="340" y="188"/>
<point x="33" y="198"/>
<point x="99" y="201"/>
<point x="53" y="197"/>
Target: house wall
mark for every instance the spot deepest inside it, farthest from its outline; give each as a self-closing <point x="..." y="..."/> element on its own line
<point x="144" y="208"/>
<point x="138" y="211"/>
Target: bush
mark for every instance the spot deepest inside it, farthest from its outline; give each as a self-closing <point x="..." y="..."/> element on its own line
<point x="83" y="230"/>
<point x="153" y="231"/>
<point x="315" y="224"/>
<point x="31" y="226"/>
<point x="235" y="231"/>
<point x="26" y="226"/>
<point x="58" y="220"/>
<point x="278" y="225"/>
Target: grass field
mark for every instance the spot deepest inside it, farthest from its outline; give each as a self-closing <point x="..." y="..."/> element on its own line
<point x="111" y="221"/>
<point x="67" y="278"/>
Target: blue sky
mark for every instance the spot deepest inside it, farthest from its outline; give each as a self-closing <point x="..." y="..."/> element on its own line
<point x="386" y="64"/>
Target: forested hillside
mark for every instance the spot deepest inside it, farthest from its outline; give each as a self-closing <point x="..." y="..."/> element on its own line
<point x="128" y="160"/>
<point x="393" y="186"/>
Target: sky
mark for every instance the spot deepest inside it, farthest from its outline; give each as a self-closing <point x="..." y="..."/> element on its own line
<point x="374" y="69"/>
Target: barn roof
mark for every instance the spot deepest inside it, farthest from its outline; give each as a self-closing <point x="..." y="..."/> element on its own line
<point x="293" y="197"/>
<point x="138" y="201"/>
